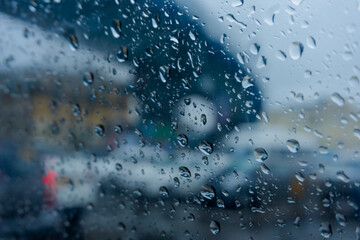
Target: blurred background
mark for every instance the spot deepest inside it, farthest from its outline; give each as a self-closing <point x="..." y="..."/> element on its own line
<point x="136" y="119"/>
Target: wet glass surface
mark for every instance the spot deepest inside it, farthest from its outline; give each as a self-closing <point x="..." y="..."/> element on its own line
<point x="129" y="119"/>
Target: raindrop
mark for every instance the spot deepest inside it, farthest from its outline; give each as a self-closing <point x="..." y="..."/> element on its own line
<point x="74" y="42"/>
<point x="265" y="169"/>
<point x="223" y="38"/>
<point x="311" y="43"/>
<point x="118" y="129"/>
<point x="232" y="19"/>
<point x="280" y="55"/>
<point x="246" y="82"/>
<point x="341" y="219"/>
<point x="237" y="3"/>
<point x="182" y="140"/>
<point x="295" y="50"/>
<point x="261" y="63"/>
<point x="323" y="150"/>
<point x="99" y="130"/>
<point x="297" y="2"/>
<point x="260" y="154"/>
<point x="357" y="133"/>
<point x="118" y="167"/>
<point x="88" y="78"/>
<point x="208" y="191"/>
<point x="206" y="147"/>
<point x="300" y="177"/>
<point x="342" y="176"/>
<point x="184" y="172"/>
<point x="203" y="119"/>
<point x="116" y="28"/>
<point x="254" y="48"/>
<point x="293" y="145"/>
<point x="325" y="230"/>
<point x="337" y="99"/>
<point x="154" y="23"/>
<point x="297" y="221"/>
<point x="214" y="227"/>
<point x="164" y="73"/>
<point x="122" y="54"/>
<point x="163" y="191"/>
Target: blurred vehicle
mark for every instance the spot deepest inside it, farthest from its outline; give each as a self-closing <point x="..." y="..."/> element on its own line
<point x="291" y="176"/>
<point x="72" y="185"/>
<point x="25" y="207"/>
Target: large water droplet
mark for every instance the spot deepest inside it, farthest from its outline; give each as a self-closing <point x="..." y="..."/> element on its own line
<point x="293" y="145"/>
<point x="88" y="78"/>
<point x="184" y="172"/>
<point x="265" y="169"/>
<point x="214" y="227"/>
<point x="99" y="130"/>
<point x="260" y="154"/>
<point x="338" y="99"/>
<point x="74" y="42"/>
<point x="182" y="140"/>
<point x="237" y="3"/>
<point x="116" y="28"/>
<point x="203" y="119"/>
<point x="300" y="177"/>
<point x="311" y="43"/>
<point x="164" y="73"/>
<point x="325" y="230"/>
<point x="295" y="50"/>
<point x="206" y="147"/>
<point x="342" y="176"/>
<point x="341" y="219"/>
<point x="122" y="54"/>
<point x="357" y="133"/>
<point x="208" y="191"/>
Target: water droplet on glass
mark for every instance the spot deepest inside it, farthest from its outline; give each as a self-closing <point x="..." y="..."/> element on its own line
<point x="203" y="119"/>
<point x="88" y="78"/>
<point x="74" y="43"/>
<point x="122" y="54"/>
<point x="280" y="55"/>
<point x="118" y="129"/>
<point x="164" y="73"/>
<point x="182" y="140"/>
<point x="265" y="169"/>
<point x="232" y="19"/>
<point x="325" y="230"/>
<point x="260" y="154"/>
<point x="300" y="177"/>
<point x="116" y="28"/>
<point x="261" y="62"/>
<point x="254" y="48"/>
<point x="99" y="130"/>
<point x="246" y="82"/>
<point x="293" y="145"/>
<point x="357" y="133"/>
<point x="342" y="176"/>
<point x="237" y="3"/>
<point x="295" y="50"/>
<point x="214" y="227"/>
<point x="208" y="191"/>
<point x="118" y="167"/>
<point x="311" y="43"/>
<point x="163" y="191"/>
<point x="206" y="147"/>
<point x="297" y="2"/>
<point x="341" y="219"/>
<point x="337" y="99"/>
<point x="184" y="172"/>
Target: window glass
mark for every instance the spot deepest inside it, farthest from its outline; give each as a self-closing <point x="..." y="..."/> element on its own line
<point x="139" y="119"/>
